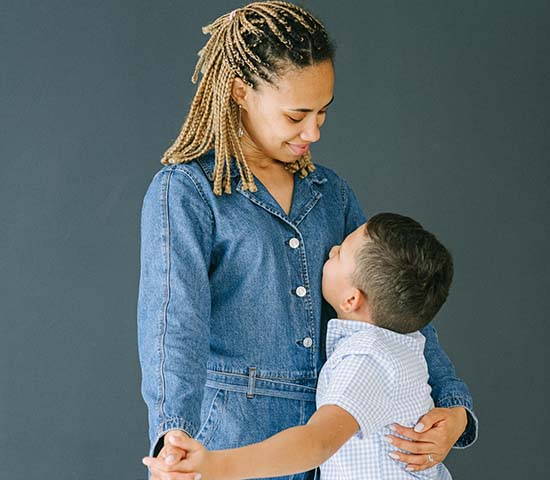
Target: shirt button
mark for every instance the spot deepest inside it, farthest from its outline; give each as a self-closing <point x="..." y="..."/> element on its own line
<point x="301" y="291"/>
<point x="294" y="243"/>
<point x="308" y="342"/>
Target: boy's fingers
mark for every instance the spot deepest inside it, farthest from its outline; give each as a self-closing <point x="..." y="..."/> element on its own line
<point x="173" y="454"/>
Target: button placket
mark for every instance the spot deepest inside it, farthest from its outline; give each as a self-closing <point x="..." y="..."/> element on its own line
<point x="294" y="242"/>
<point x="301" y="291"/>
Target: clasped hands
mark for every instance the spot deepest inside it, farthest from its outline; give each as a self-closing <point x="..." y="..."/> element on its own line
<point x="183" y="458"/>
<point x="428" y="443"/>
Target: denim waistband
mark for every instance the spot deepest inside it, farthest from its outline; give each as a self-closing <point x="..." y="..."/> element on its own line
<point x="253" y="384"/>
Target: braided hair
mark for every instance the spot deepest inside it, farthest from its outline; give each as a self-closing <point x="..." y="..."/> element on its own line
<point x="261" y="40"/>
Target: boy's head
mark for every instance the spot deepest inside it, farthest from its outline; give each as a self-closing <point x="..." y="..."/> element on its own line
<point x="390" y="269"/>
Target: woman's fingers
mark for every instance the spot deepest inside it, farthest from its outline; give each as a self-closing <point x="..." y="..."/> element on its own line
<point x="416" y="462"/>
<point x="173" y="476"/>
<point x="427" y="421"/>
<point x="421" y="449"/>
<point x="410" y="433"/>
<point x="157" y="464"/>
<point x="410" y="445"/>
<point x="174" y="434"/>
<point x="190" y="445"/>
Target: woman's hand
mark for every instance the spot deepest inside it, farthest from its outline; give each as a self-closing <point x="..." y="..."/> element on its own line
<point x="169" y="456"/>
<point x="431" y="439"/>
<point x="198" y="462"/>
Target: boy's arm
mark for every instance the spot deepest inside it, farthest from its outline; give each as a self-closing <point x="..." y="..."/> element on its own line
<point x="297" y="449"/>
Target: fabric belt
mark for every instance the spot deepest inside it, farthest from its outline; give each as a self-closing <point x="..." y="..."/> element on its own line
<point x="253" y="384"/>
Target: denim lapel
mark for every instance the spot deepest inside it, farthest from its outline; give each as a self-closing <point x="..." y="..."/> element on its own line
<point x="304" y="197"/>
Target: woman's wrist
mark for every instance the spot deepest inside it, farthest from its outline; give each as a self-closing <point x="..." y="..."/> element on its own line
<point x="461" y="418"/>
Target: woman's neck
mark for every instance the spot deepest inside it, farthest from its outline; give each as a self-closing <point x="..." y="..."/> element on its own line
<point x="256" y="158"/>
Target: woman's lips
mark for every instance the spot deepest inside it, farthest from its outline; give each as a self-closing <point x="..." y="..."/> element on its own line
<point x="298" y="149"/>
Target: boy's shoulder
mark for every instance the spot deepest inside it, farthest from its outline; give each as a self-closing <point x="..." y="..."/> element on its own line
<point x="380" y="344"/>
<point x="371" y="342"/>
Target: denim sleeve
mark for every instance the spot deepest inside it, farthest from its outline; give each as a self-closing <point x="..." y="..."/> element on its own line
<point x="447" y="389"/>
<point x="353" y="213"/>
<point x="173" y="308"/>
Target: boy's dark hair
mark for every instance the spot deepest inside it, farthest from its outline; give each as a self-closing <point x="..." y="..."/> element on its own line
<point x="404" y="271"/>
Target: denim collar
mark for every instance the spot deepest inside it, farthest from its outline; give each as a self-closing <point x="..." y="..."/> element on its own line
<point x="207" y="161"/>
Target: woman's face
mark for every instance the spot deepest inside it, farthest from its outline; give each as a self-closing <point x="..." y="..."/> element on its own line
<point x="282" y="120"/>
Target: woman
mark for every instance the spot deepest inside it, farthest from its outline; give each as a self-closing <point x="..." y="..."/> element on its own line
<point x="235" y="230"/>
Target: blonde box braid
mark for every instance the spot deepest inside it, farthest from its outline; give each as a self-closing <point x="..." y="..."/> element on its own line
<point x="213" y="118"/>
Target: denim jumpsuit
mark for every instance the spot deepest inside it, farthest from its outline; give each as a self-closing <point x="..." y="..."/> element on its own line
<point x="231" y="320"/>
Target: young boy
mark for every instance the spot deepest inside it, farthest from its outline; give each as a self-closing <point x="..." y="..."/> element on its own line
<point x="386" y="281"/>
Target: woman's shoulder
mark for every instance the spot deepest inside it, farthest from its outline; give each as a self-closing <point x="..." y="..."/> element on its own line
<point x="196" y="173"/>
<point x="333" y="181"/>
<point x="182" y="180"/>
<point x="328" y="174"/>
<point x="324" y="171"/>
<point x="197" y="168"/>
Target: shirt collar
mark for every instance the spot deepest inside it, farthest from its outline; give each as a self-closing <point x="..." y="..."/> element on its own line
<point x="338" y="330"/>
<point x="208" y="160"/>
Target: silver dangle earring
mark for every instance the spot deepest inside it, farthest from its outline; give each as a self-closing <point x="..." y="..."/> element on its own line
<point x="240" y="132"/>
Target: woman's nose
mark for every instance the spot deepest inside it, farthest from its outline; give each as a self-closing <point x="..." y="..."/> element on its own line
<point x="312" y="133"/>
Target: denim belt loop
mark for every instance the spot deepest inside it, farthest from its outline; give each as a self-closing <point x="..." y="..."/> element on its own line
<point x="251" y="382"/>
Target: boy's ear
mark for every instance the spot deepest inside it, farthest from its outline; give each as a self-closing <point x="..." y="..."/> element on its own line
<point x="353" y="301"/>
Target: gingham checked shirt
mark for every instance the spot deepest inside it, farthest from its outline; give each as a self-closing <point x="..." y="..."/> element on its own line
<point x="380" y="377"/>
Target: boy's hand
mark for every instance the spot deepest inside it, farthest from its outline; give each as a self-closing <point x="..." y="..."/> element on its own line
<point x="170" y="454"/>
<point x="197" y="462"/>
<point x="431" y="439"/>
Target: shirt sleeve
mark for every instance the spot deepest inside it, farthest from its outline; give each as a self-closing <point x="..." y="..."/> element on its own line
<point x="447" y="389"/>
<point x="361" y="385"/>
<point x="173" y="310"/>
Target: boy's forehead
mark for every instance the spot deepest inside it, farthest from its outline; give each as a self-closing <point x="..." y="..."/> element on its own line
<point x="357" y="236"/>
<point x="360" y="231"/>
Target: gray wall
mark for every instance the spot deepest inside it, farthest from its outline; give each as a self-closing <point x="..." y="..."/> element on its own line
<point x="440" y="113"/>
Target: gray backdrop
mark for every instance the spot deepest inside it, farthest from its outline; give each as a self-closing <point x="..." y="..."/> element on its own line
<point x="440" y="113"/>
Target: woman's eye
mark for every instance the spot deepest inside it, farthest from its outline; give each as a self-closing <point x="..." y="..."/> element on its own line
<point x="298" y="120"/>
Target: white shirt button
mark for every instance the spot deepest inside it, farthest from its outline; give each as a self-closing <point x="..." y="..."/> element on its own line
<point x="294" y="243"/>
<point x="308" y="342"/>
<point x="301" y="291"/>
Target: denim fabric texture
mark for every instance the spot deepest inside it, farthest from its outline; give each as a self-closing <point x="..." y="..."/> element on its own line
<point x="231" y="320"/>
